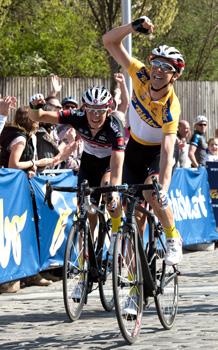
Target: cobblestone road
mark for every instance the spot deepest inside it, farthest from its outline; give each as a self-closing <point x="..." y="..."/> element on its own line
<point x="35" y="318"/>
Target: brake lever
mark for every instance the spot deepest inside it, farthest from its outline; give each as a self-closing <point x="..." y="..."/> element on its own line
<point x="157" y="187"/>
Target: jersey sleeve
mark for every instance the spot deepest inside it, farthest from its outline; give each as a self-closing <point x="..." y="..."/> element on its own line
<point x="71" y="117"/>
<point x="138" y="71"/>
<point x="117" y="134"/>
<point x="171" y="113"/>
<point x="195" y="139"/>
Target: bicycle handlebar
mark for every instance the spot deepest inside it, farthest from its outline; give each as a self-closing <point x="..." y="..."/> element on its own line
<point x="86" y="190"/>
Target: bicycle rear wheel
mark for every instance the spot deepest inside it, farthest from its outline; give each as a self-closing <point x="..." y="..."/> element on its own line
<point x="166" y="280"/>
<point x="106" y="283"/>
<point x="127" y="286"/>
<point x="75" y="273"/>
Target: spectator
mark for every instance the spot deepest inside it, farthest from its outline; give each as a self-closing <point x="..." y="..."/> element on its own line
<point x="6" y="103"/>
<point x="46" y="146"/>
<point x="70" y="143"/>
<point x="18" y="150"/>
<point x="69" y="103"/>
<point x="18" y="144"/>
<point x="198" y="145"/>
<point x="182" y="144"/>
<point x="71" y="149"/>
<point x="212" y="154"/>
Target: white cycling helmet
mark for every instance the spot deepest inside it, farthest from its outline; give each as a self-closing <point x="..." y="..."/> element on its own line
<point x="200" y="119"/>
<point x="98" y="97"/>
<point x="170" y="53"/>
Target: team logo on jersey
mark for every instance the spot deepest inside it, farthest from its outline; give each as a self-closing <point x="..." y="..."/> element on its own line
<point x="167" y="116"/>
<point x="143" y="75"/>
<point x="114" y="127"/>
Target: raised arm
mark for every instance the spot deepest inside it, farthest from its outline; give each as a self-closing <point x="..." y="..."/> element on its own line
<point x="36" y="112"/>
<point x="113" y="39"/>
<point x="6" y="103"/>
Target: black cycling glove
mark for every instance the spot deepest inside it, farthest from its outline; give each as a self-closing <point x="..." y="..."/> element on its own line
<point x="137" y="25"/>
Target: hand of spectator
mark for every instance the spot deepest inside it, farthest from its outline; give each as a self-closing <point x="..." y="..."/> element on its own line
<point x="7" y="103"/>
<point x="70" y="135"/>
<point x="44" y="162"/>
<point x="119" y="77"/>
<point x="56" y="87"/>
<point x="31" y="173"/>
<point x="37" y="101"/>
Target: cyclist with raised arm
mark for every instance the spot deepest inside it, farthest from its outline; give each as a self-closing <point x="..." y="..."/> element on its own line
<point x="153" y="119"/>
<point x="103" y="136"/>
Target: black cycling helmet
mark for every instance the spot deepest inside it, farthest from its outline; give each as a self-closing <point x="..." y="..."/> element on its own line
<point x="69" y="99"/>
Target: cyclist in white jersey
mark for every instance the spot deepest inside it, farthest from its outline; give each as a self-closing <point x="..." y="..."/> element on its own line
<point x="103" y="136"/>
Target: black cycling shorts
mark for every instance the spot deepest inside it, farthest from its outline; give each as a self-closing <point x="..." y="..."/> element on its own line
<point x="92" y="169"/>
<point x="140" y="162"/>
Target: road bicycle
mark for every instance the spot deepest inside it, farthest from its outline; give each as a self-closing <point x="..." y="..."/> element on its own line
<point x="139" y="270"/>
<point x="87" y="260"/>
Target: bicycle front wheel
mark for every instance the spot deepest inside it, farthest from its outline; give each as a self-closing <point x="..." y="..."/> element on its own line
<point x="106" y="283"/>
<point x="75" y="273"/>
<point x="166" y="299"/>
<point x="127" y="286"/>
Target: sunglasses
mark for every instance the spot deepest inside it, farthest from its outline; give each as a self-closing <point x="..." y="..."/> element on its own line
<point x="69" y="107"/>
<point x="96" y="111"/>
<point x="164" y="66"/>
<point x="202" y="124"/>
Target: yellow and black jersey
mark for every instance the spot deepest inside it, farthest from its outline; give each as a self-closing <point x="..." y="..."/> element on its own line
<point x="148" y="119"/>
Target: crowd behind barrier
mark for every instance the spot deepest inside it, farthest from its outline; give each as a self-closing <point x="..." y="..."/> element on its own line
<point x="34" y="240"/>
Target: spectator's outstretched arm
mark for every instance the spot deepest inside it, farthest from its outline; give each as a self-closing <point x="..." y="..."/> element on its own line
<point x="6" y="103"/>
<point x="113" y="39"/>
<point x="124" y="94"/>
<point x="36" y="113"/>
<point x="55" y="86"/>
<point x="191" y="154"/>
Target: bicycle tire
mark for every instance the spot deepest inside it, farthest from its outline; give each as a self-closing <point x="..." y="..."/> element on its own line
<point x="106" y="281"/>
<point x="166" y="281"/>
<point x="75" y="272"/>
<point x="166" y="299"/>
<point x="125" y="257"/>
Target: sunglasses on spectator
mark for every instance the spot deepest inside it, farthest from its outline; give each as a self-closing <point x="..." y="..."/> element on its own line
<point x="202" y="124"/>
<point x="164" y="66"/>
<point x="96" y="111"/>
<point x="69" y="106"/>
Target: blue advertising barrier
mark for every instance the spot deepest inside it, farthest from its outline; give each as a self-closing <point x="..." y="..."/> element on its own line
<point x="23" y="254"/>
<point x="191" y="205"/>
<point x="212" y="169"/>
<point x="19" y="255"/>
<point x="54" y="225"/>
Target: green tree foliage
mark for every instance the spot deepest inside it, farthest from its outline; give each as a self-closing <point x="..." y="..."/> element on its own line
<point x="42" y="37"/>
<point x="195" y="33"/>
<point x="4" y="8"/>
<point x="107" y="14"/>
<point x="65" y="36"/>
